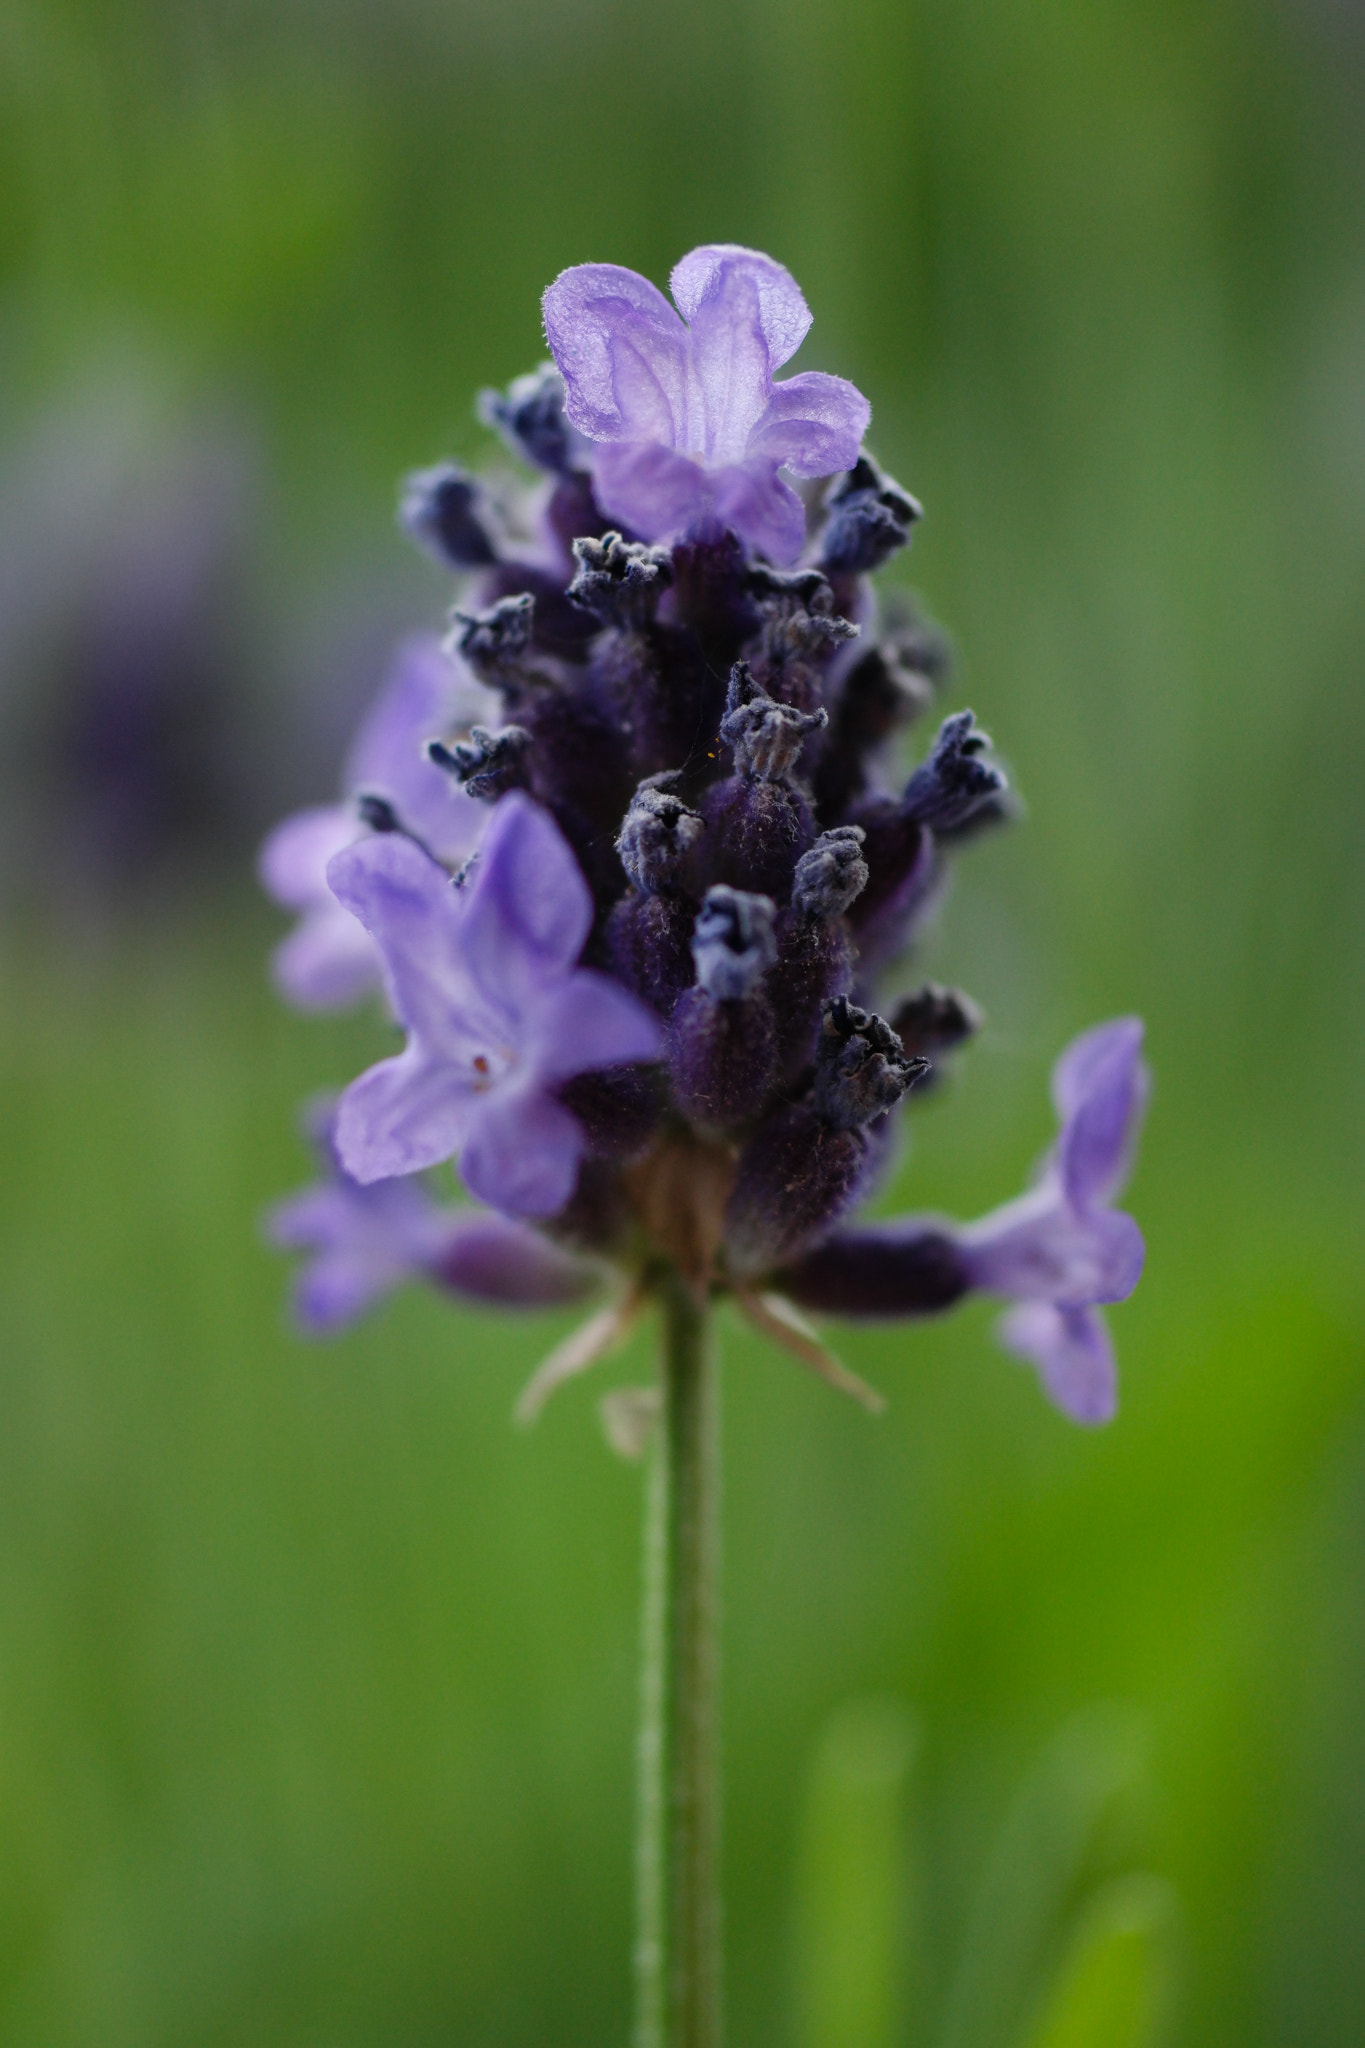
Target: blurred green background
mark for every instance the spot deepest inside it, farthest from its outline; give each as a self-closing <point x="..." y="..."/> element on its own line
<point x="316" y="1678"/>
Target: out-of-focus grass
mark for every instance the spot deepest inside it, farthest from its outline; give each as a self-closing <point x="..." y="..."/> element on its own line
<point x="316" y="1677"/>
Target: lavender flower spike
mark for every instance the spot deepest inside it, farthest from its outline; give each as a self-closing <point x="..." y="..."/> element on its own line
<point x="1060" y="1250"/>
<point x="328" y="960"/>
<point x="366" y="1241"/>
<point x="498" y="1013"/>
<point x="688" y="422"/>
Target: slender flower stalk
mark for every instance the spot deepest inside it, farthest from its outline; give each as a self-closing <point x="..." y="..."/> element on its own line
<point x="629" y="856"/>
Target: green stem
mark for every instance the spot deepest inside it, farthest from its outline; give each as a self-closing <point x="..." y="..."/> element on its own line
<point x="677" y="1955"/>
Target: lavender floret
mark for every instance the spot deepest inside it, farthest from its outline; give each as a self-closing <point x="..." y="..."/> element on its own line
<point x="630" y="864"/>
<point x="688" y="423"/>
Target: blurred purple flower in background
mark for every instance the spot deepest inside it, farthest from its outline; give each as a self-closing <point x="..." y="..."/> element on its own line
<point x="329" y="960"/>
<point x="366" y="1241"/>
<point x="688" y="422"/>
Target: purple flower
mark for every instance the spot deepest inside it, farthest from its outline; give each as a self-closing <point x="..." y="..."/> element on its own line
<point x="365" y="1241"/>
<point x="1060" y="1250"/>
<point x="689" y="423"/>
<point x="329" y="960"/>
<point x="497" y="1012"/>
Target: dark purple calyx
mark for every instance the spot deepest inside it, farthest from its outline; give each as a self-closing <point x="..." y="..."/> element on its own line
<point x="861" y="1067"/>
<point x="733" y="942"/>
<point x="765" y="736"/>
<point x="658" y="835"/>
<point x="529" y="416"/>
<point x="830" y="874"/>
<point x="870" y="517"/>
<point x="496" y="642"/>
<point x="487" y="763"/>
<point x="620" y="581"/>
<point x="935" y="1020"/>
<point x="445" y="511"/>
<point x="892" y="1270"/>
<point x="956" y="781"/>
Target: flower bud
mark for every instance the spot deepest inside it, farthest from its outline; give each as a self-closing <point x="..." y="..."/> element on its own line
<point x="487" y="763"/>
<point x="620" y="581"/>
<point x="657" y="836"/>
<point x="870" y="517"/>
<point x="861" y="1070"/>
<point x="935" y="1020"/>
<point x="947" y="789"/>
<point x="765" y="737"/>
<point x="733" y="943"/>
<point x="831" y="873"/>
<point x="443" y="510"/>
<point x="530" y="418"/>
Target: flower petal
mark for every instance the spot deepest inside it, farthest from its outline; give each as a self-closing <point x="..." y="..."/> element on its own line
<point x="813" y="424"/>
<point x="622" y="352"/>
<point x="403" y="1115"/>
<point x="527" y="910"/>
<point x="1038" y="1248"/>
<point x="327" y="962"/>
<point x="762" y="508"/>
<point x="652" y="491"/>
<point x="522" y="1152"/>
<point x="414" y="913"/>
<point x="734" y="325"/>
<point x="1072" y="1352"/>
<point x="1099" y="1085"/>
<point x="721" y="275"/>
<point x="589" y="1023"/>
<point x="293" y="859"/>
<point x="366" y="1241"/>
<point x="334" y="1290"/>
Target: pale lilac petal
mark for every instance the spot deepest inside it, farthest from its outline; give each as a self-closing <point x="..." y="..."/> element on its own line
<point x="728" y="294"/>
<point x="293" y="859"/>
<point x="402" y="1116"/>
<point x="365" y="1242"/>
<point x="622" y="352"/>
<point x="414" y="911"/>
<point x="762" y="509"/>
<point x="813" y="424"/>
<point x="522" y="1152"/>
<point x="721" y="273"/>
<point x="1073" y="1355"/>
<point x="650" y="490"/>
<point x="1099" y="1085"/>
<point x="527" y="910"/>
<point x="334" y="1290"/>
<point x="425" y="695"/>
<point x="492" y="1258"/>
<point x="589" y="1023"/>
<point x="327" y="962"/>
<point x="1039" y="1248"/>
